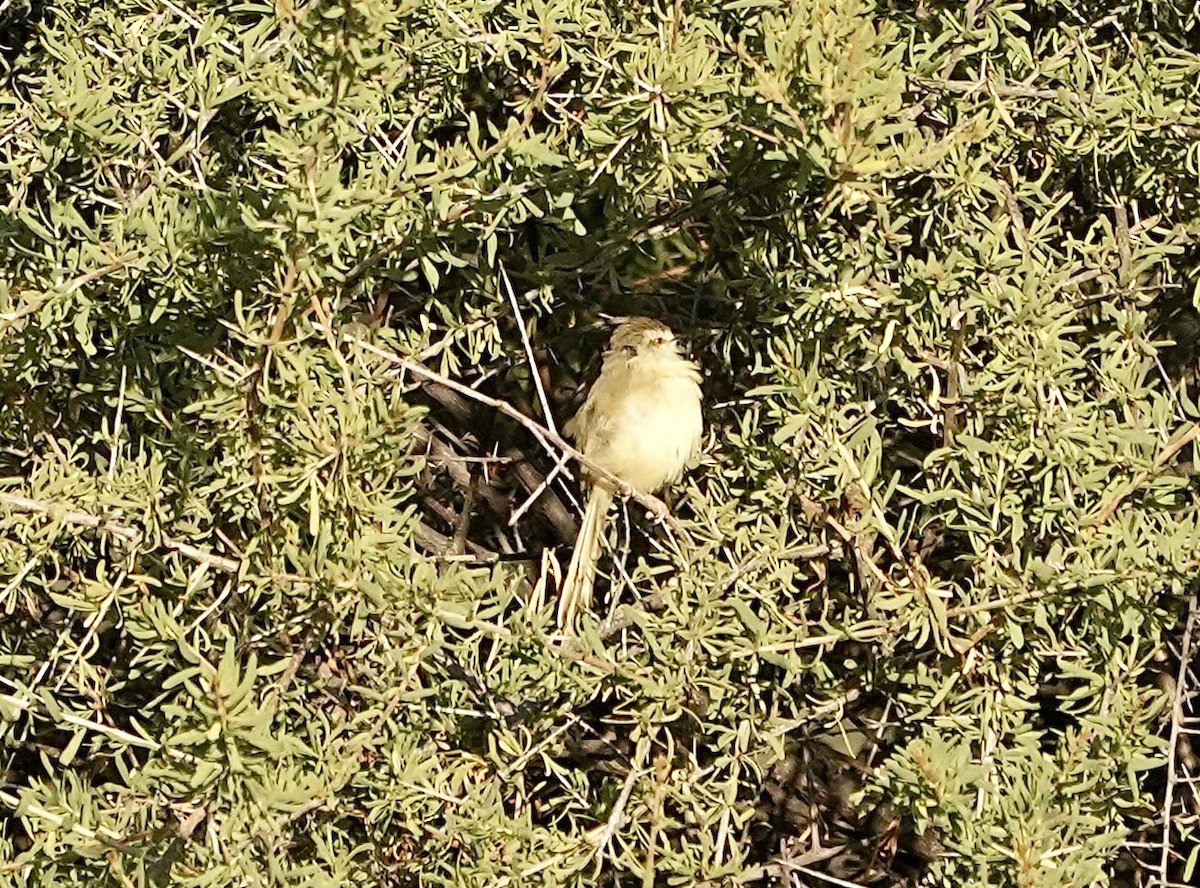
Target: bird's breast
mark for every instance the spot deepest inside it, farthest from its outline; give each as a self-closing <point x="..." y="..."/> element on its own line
<point x="652" y="433"/>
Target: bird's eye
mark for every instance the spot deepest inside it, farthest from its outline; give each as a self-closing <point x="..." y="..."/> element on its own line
<point x="660" y="340"/>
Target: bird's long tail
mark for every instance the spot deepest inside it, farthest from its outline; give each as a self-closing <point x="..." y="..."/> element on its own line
<point x="576" y="594"/>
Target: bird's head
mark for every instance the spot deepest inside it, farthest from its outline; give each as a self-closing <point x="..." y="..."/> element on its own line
<point x="642" y="337"/>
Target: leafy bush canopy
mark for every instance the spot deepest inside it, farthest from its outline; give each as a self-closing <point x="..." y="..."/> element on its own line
<point x="265" y="621"/>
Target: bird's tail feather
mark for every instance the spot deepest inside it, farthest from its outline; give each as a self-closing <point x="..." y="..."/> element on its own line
<point x="576" y="594"/>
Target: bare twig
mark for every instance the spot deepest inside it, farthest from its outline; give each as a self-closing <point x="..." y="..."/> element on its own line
<point x="817" y="874"/>
<point x="1014" y="213"/>
<point x="623" y="620"/>
<point x="452" y="336"/>
<point x="997" y="603"/>
<point x="92" y="625"/>
<point x="458" y="543"/>
<point x="444" y="547"/>
<point x="59" y="821"/>
<point x="662" y="774"/>
<point x="212" y="608"/>
<point x="220" y="562"/>
<point x="1124" y="248"/>
<point x="81" y="519"/>
<point x="116" y="431"/>
<point x="655" y="601"/>
<point x="123" y="531"/>
<point x="537" y="491"/>
<point x="547" y="414"/>
<point x="549" y="504"/>
<point x="875" y="630"/>
<point x="199" y="25"/>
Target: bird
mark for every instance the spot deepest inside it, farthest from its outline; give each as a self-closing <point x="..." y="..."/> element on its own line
<point x="642" y="421"/>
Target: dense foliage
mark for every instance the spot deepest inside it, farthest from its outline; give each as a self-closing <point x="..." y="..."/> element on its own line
<point x="265" y="620"/>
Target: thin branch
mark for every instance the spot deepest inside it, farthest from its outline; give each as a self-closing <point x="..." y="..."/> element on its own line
<point x="458" y="543"/>
<point x="203" y="556"/>
<point x="116" y="433"/>
<point x="538" y="491"/>
<point x="817" y="874"/>
<point x="123" y="531"/>
<point x="655" y="601"/>
<point x="1002" y="90"/>
<point x="541" y="390"/>
<point x="624" y="619"/>
<point x="794" y="553"/>
<point x="533" y="367"/>
<point x="59" y="821"/>
<point x="444" y="545"/>
<point x="82" y="519"/>
<point x="1177" y="719"/>
<point x="769" y="87"/>
<point x="35" y="304"/>
<point x="549" y="504"/>
<point x="874" y="630"/>
<point x="92" y="625"/>
<point x="1159" y="461"/>
<point x="199" y="25"/>
<point x="997" y="603"/>
<point x="605" y="834"/>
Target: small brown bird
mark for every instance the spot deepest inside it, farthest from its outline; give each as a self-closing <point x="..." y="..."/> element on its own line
<point x="642" y="422"/>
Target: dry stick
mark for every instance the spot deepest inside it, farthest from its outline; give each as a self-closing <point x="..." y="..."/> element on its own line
<point x="552" y="507"/>
<point x="817" y="874"/>
<point x="533" y="367"/>
<point x="548" y="439"/>
<point x="997" y="603"/>
<point x="792" y="553"/>
<point x="458" y="543"/>
<point x="14" y="803"/>
<point x="545" y="401"/>
<point x="82" y="519"/>
<point x="538" y="491"/>
<point x="116" y="433"/>
<point x="130" y="534"/>
<point x="1159" y="461"/>
<point x="662" y="772"/>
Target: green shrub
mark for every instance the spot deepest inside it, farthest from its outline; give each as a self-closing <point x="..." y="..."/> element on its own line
<point x="265" y="622"/>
